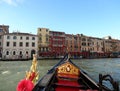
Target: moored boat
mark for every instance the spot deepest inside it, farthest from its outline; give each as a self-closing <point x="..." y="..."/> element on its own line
<point x="67" y="76"/>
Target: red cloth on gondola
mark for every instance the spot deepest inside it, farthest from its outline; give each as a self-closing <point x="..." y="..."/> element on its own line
<point x="66" y="89"/>
<point x="25" y="85"/>
<point x="67" y="85"/>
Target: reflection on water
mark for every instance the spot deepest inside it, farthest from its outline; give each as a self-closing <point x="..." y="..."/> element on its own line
<point x="12" y="72"/>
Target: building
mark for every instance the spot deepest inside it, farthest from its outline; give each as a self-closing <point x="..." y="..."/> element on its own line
<point x="73" y="44"/>
<point x="118" y="46"/>
<point x="43" y="39"/>
<point x="1" y="43"/>
<point x="19" y="45"/>
<point x="57" y="45"/>
<point x="69" y="42"/>
<point x="51" y="43"/>
<point x="115" y="45"/>
<point x="97" y="45"/>
<point x="85" y="43"/>
<point x="48" y="43"/>
<point x="4" y="29"/>
<point x="107" y="44"/>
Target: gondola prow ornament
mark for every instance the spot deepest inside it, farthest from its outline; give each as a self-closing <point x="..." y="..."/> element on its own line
<point x="31" y="77"/>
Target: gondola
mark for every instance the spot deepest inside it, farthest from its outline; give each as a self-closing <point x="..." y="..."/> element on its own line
<point x="67" y="76"/>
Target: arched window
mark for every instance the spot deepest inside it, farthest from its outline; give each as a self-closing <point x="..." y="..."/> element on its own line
<point x="26" y="52"/>
<point x="7" y="53"/>
<point x="33" y="38"/>
<point x="14" y="53"/>
<point x="20" y="52"/>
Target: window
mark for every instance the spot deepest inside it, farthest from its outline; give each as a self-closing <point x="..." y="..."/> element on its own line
<point x="26" y="52"/>
<point x="47" y="39"/>
<point x="27" y="38"/>
<point x="46" y="30"/>
<point x="40" y="39"/>
<point x="1" y="30"/>
<point x="14" y="53"/>
<point x="27" y="44"/>
<point x="8" y="37"/>
<point x="20" y="52"/>
<point x="0" y="37"/>
<point x="33" y="44"/>
<point x="33" y="38"/>
<point x="21" y="44"/>
<point x="14" y="37"/>
<point x="8" y="44"/>
<point x="102" y="49"/>
<point x="0" y="43"/>
<point x="14" y="44"/>
<point x="83" y="44"/>
<point x="88" y="44"/>
<point x="20" y="37"/>
<point x="7" y="53"/>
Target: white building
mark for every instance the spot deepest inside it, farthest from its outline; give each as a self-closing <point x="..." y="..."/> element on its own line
<point x="19" y="45"/>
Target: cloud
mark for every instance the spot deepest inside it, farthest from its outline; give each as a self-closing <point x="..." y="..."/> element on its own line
<point x="12" y="2"/>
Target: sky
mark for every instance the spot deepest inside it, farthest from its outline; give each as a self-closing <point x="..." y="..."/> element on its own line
<point x="96" y="18"/>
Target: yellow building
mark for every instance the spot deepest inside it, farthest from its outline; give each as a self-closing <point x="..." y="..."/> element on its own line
<point x="43" y="39"/>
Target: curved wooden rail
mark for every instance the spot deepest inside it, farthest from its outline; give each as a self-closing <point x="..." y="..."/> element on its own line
<point x="108" y="77"/>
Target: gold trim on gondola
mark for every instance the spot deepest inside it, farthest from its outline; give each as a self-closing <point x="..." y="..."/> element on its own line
<point x="32" y="74"/>
<point x="68" y="68"/>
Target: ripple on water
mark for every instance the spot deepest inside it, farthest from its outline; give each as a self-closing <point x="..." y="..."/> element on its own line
<point x="118" y="65"/>
<point x="6" y="72"/>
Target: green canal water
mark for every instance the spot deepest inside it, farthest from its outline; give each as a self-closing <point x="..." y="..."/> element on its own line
<point x="11" y="72"/>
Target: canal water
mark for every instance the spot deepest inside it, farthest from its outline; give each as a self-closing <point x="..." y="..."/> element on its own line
<point x="11" y="72"/>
